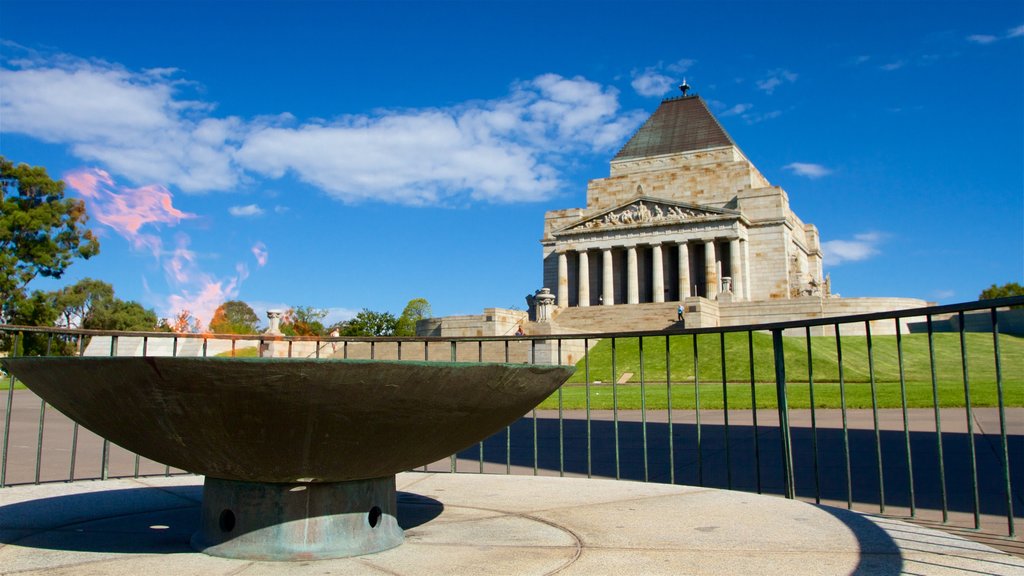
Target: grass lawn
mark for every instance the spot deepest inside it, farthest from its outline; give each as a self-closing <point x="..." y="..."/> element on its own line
<point x="826" y="395"/>
<point x="824" y="370"/>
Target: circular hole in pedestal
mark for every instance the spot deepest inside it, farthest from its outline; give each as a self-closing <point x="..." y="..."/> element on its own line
<point x="227" y="520"/>
<point x="374" y="516"/>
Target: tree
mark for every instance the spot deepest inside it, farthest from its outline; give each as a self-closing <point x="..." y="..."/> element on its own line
<point x="417" y="309"/>
<point x="234" y="317"/>
<point x="185" y="323"/>
<point x="76" y="304"/>
<point x="370" y="323"/>
<point x="121" y="315"/>
<point x="35" y="310"/>
<point x="304" y="321"/>
<point x="1004" y="291"/>
<point x="41" y="232"/>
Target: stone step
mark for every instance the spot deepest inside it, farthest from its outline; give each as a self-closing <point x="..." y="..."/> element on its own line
<point x="619" y="318"/>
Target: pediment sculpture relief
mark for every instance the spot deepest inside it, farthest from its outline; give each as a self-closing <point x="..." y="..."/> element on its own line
<point x="644" y="213"/>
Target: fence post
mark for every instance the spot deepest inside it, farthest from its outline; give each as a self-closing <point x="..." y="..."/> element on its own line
<point x="780" y="390"/>
<point x="7" y="415"/>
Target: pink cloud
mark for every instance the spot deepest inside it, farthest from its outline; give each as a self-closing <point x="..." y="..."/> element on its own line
<point x="125" y="209"/>
<point x="259" y="250"/>
<point x="199" y="292"/>
<point x="129" y="211"/>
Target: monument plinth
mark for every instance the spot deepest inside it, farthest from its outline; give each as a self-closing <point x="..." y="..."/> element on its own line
<point x="300" y="455"/>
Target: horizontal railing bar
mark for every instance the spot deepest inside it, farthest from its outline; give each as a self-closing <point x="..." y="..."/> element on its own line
<point x="768" y="327"/>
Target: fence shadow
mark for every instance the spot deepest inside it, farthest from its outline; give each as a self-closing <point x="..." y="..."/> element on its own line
<point x="705" y="461"/>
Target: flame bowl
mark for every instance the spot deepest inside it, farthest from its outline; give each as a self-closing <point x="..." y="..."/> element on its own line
<point x="288" y="420"/>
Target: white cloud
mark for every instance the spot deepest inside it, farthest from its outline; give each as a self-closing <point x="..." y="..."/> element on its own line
<point x="737" y="110"/>
<point x="131" y="122"/>
<point x="982" y="38"/>
<point x="140" y="126"/>
<point x="895" y="65"/>
<point x="776" y="78"/>
<point x="743" y="110"/>
<point x="862" y="247"/>
<point x="653" y="80"/>
<point x="807" y="169"/>
<point x="247" y="210"/>
<point x="501" y="150"/>
<point x="650" y="83"/>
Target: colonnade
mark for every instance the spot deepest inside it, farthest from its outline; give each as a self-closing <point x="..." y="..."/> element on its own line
<point x="714" y="255"/>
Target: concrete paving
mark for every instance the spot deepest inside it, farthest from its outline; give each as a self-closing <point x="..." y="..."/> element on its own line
<point x="488" y="524"/>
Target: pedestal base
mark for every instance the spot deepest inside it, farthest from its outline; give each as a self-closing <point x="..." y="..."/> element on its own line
<point x="304" y="521"/>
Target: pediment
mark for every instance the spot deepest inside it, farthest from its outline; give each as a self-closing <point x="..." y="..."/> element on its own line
<point x="646" y="211"/>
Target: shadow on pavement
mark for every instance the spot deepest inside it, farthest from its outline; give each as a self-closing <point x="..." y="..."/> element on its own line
<point x="137" y="520"/>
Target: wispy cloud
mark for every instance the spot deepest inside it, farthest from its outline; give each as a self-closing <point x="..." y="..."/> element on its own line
<point x="245" y="211"/>
<point x="658" y="80"/>
<point x="862" y="247"/>
<point x="807" y="169"/>
<point x="259" y="250"/>
<point x="144" y="127"/>
<point x="127" y="210"/>
<point x="736" y="110"/>
<point x="894" y="65"/>
<point x="982" y="38"/>
<point x="744" y="111"/>
<point x="1015" y="32"/>
<point x="776" y="78"/>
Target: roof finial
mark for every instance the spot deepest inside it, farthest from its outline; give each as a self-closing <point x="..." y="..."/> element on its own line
<point x="684" y="87"/>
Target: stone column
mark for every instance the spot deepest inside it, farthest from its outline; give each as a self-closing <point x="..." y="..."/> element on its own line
<point x="710" y="272"/>
<point x="658" y="275"/>
<point x="748" y="290"/>
<point x="584" y="279"/>
<point x="274" y="316"/>
<point x="632" y="277"/>
<point x="735" y="268"/>
<point x="684" y="271"/>
<point x="563" y="280"/>
<point x="607" y="278"/>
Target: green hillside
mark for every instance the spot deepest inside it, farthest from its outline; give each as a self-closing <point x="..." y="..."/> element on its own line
<point x="981" y="369"/>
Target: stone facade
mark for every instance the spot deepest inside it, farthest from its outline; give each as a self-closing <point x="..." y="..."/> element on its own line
<point x="679" y="224"/>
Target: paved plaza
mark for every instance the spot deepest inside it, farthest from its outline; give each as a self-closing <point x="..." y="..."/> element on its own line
<point x="491" y="524"/>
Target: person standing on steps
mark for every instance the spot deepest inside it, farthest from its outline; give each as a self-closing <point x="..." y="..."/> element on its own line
<point x="679" y="313"/>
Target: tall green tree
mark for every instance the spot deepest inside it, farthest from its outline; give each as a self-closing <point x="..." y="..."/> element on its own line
<point x="370" y="323"/>
<point x="41" y="231"/>
<point x="417" y="309"/>
<point x="234" y="317"/>
<point x="77" y="304"/>
<point x="122" y="315"/>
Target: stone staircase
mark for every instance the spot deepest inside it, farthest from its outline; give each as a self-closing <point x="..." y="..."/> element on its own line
<point x="620" y="318"/>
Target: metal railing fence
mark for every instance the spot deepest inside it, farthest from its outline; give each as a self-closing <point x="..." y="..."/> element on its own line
<point x="927" y="416"/>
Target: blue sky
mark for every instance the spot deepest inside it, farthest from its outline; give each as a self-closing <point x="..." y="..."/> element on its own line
<point x="349" y="155"/>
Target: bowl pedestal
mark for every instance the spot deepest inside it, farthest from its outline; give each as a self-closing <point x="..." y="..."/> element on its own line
<point x="299" y="521"/>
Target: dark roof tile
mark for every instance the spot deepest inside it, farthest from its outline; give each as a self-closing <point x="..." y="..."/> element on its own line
<point x="682" y="124"/>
